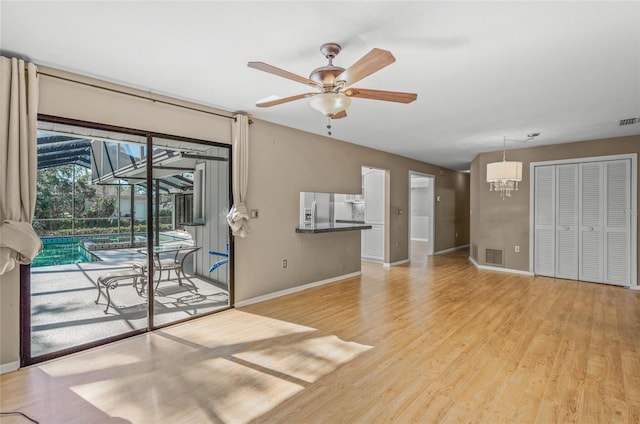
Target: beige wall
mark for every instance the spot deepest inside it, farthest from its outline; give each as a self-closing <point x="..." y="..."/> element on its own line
<point x="9" y="318"/>
<point x="498" y="224"/>
<point x="283" y="162"/>
<point x="66" y="98"/>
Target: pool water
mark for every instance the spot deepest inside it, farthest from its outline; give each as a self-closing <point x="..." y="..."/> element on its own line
<point x="61" y="251"/>
<point x="71" y="250"/>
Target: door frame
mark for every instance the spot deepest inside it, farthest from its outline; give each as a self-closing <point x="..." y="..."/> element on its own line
<point x="432" y="212"/>
<point x="386" y="251"/>
<point x="633" y="157"/>
<point x="26" y="357"/>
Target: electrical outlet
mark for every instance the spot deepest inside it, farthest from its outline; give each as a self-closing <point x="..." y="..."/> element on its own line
<point x="254" y="213"/>
<point x="517" y="249"/>
<point x="284" y="263"/>
<point x="456" y="234"/>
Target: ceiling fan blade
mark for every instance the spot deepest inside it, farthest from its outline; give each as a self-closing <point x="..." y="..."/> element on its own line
<point x="339" y="115"/>
<point x="387" y="96"/>
<point x="280" y="100"/>
<point x="371" y="62"/>
<point x="261" y="66"/>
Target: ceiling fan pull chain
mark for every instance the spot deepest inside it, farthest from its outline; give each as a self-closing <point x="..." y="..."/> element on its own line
<point x="329" y="126"/>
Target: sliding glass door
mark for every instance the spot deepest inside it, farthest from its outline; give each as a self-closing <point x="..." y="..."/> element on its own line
<point x="191" y="247"/>
<point x="134" y="235"/>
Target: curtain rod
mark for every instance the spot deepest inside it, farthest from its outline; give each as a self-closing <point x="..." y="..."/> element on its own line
<point x="134" y="95"/>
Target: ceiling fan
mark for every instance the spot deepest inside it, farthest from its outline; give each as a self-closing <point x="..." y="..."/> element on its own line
<point x="334" y="83"/>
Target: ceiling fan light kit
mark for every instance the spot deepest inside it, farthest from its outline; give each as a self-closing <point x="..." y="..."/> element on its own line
<point x="330" y="103"/>
<point x="334" y="97"/>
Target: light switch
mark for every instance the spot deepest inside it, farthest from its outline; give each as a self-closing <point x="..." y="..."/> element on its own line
<point x="254" y="213"/>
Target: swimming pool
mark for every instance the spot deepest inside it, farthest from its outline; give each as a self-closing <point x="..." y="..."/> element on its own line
<point x="61" y="251"/>
<point x="122" y="241"/>
<point x="73" y="250"/>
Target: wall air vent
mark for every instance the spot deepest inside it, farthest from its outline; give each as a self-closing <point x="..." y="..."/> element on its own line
<point x="493" y="257"/>
<point x="629" y="121"/>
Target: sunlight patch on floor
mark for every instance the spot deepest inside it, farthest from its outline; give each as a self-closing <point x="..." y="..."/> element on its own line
<point x="307" y="359"/>
<point x="87" y="364"/>
<point x="213" y="390"/>
<point x="244" y="327"/>
<point x="231" y="376"/>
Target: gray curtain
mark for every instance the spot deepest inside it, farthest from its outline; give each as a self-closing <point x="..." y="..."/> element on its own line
<point x="18" y="162"/>
<point x="238" y="216"/>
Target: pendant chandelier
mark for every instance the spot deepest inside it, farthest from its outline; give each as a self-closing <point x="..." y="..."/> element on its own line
<point x="504" y="176"/>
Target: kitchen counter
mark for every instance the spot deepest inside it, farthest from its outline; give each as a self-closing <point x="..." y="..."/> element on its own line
<point x="333" y="227"/>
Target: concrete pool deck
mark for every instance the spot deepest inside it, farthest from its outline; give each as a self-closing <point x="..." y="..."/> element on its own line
<point x="64" y="313"/>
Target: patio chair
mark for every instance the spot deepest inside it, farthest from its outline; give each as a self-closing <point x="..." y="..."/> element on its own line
<point x="221" y="262"/>
<point x="175" y="262"/>
<point x="111" y="280"/>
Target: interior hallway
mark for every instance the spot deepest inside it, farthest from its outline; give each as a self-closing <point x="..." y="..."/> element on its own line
<point x="419" y="249"/>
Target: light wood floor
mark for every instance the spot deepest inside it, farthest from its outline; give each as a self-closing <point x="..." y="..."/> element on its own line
<point x="438" y="341"/>
<point x="419" y="251"/>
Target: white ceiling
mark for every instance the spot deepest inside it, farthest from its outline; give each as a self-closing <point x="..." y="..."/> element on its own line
<point x="482" y="70"/>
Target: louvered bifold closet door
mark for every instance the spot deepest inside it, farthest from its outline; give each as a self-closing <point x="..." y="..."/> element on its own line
<point x="617" y="227"/>
<point x="544" y="213"/>
<point x="591" y="266"/>
<point x="567" y="221"/>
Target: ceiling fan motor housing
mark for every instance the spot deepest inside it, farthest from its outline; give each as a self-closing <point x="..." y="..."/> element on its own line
<point x="326" y="75"/>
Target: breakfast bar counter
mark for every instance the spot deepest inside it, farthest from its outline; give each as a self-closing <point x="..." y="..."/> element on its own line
<point x="332" y="227"/>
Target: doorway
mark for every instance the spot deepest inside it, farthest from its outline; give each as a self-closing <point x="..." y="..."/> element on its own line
<point x="421" y="216"/>
<point x="126" y="250"/>
<point x="374" y="207"/>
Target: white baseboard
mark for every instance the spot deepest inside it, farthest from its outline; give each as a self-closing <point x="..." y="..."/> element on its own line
<point x="373" y="261"/>
<point x="296" y="289"/>
<point x="11" y="366"/>
<point x="517" y="271"/>
<point x="452" y="249"/>
<point x="389" y="265"/>
<point x="500" y="269"/>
